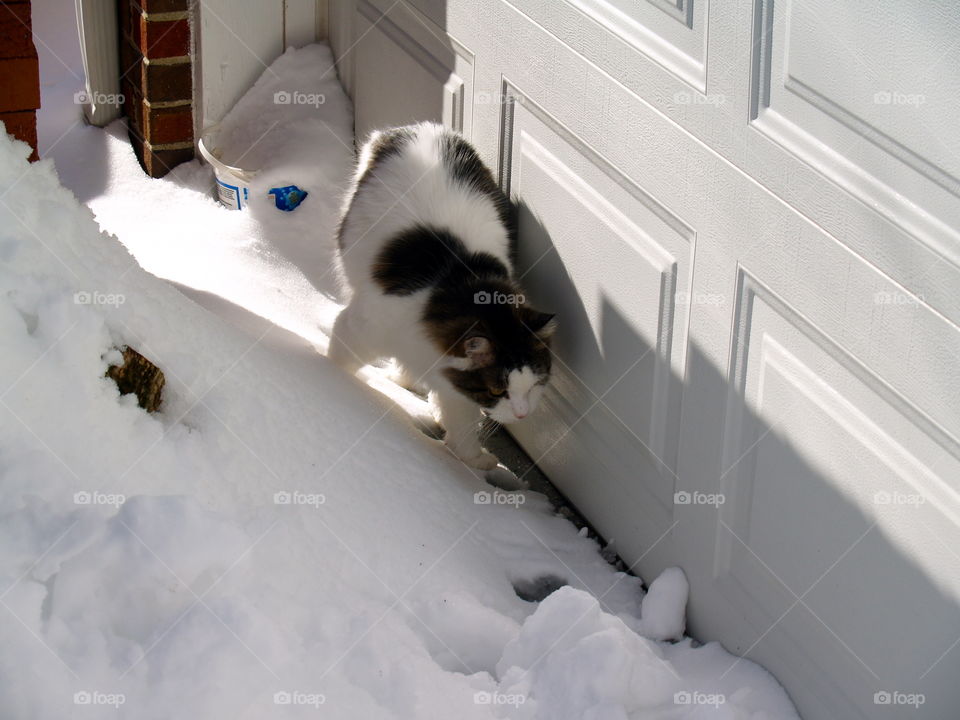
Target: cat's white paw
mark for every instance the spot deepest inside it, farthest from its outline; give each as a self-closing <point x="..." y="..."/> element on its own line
<point x="482" y="461"/>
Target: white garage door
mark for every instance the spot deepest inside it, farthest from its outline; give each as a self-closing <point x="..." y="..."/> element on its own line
<point x="746" y="215"/>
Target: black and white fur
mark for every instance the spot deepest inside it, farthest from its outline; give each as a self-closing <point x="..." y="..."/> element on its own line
<point x="425" y="238"/>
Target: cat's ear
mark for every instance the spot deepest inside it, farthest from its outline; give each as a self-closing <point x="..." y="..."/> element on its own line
<point x="479" y="352"/>
<point x="542" y="324"/>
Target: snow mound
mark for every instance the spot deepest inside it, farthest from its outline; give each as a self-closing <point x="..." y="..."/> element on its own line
<point x="662" y="615"/>
<point x="568" y="634"/>
<point x="571" y="660"/>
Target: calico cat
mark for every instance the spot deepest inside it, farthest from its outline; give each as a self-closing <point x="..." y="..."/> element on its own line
<point x="426" y="251"/>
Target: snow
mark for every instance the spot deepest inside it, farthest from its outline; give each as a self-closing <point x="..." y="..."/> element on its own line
<point x="278" y="540"/>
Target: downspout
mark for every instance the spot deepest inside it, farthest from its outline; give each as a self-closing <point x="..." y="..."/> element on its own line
<point x="99" y="43"/>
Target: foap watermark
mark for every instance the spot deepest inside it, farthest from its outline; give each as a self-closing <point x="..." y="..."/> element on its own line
<point x="295" y="697"/>
<point x="498" y="698"/>
<point x="82" y="97"/>
<point x="698" y="298"/>
<point x="487" y="98"/>
<point x="98" y="498"/>
<point x="688" y="98"/>
<point x="498" y="497"/>
<point x="895" y="697"/>
<point x="898" y="498"/>
<point x="896" y="298"/>
<point x="296" y="97"/>
<point x="296" y="497"/>
<point x="695" y="697"/>
<point x="698" y="498"/>
<point x="95" y="297"/>
<point x="95" y="697"/>
<point x="892" y="97"/>
<point x="498" y="298"/>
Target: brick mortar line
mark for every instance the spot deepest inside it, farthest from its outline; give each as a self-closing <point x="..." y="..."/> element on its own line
<point x="165" y="16"/>
<point x="163" y="104"/>
<point x="29" y="56"/>
<point x="17" y="111"/>
<point x="178" y="60"/>
<point x="167" y="146"/>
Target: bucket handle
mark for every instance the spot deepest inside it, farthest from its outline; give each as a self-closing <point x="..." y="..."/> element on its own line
<point x="211" y="156"/>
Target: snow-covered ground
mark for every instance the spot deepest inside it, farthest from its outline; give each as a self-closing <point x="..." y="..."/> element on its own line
<point x="279" y="540"/>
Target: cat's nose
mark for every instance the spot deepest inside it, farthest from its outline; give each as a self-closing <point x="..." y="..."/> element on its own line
<point x="520" y="407"/>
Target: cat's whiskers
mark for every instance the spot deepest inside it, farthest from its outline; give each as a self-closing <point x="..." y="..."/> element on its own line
<point x="487" y="428"/>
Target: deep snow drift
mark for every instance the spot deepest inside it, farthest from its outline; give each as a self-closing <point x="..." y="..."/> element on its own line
<point x="278" y="541"/>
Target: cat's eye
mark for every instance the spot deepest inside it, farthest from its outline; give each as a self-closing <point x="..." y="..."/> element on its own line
<point x="497" y="391"/>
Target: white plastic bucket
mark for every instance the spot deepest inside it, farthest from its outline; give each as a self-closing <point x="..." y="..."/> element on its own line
<point x="233" y="183"/>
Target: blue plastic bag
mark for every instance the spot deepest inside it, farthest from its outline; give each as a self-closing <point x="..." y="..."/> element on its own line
<point x="288" y="197"/>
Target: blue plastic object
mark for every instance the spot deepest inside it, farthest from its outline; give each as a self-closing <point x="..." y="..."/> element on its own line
<point x="288" y="198"/>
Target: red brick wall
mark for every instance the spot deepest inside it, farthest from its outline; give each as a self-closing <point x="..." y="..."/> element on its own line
<point x="157" y="81"/>
<point x="20" y="73"/>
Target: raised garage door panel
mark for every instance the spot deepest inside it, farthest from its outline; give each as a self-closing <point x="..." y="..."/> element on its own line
<point x="672" y="32"/>
<point x="843" y="490"/>
<point x="875" y="80"/>
<point x="613" y="263"/>
<point x="869" y="93"/>
<point x="411" y="71"/>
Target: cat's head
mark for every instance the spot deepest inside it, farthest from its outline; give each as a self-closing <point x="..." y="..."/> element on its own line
<point x="501" y="358"/>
